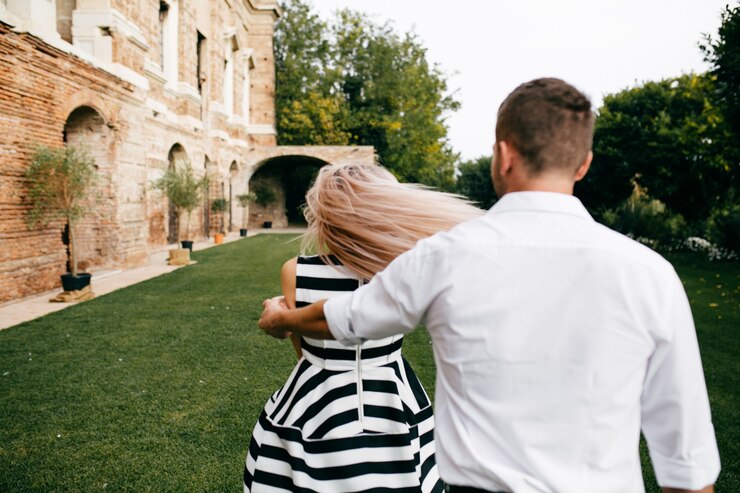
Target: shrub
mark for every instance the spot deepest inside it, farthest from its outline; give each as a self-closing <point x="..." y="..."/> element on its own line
<point x="723" y="228"/>
<point x="645" y="219"/>
<point x="264" y="194"/>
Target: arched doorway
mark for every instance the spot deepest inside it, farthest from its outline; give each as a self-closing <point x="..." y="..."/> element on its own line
<point x="233" y="174"/>
<point x="285" y="180"/>
<point x="214" y="191"/>
<point x="177" y="157"/>
<point x="86" y="129"/>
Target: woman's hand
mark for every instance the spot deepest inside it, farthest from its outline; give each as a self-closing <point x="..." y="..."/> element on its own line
<point x="270" y="321"/>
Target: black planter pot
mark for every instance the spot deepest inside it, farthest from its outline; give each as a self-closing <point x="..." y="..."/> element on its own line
<point x="187" y="244"/>
<point x="75" y="283"/>
<point x="243" y="232"/>
<point x="267" y="224"/>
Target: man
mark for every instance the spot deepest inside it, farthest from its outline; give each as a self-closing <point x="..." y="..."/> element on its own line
<point x="556" y="339"/>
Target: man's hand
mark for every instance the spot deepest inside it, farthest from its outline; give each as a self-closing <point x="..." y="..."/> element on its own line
<point x="270" y="321"/>
<point x="280" y="321"/>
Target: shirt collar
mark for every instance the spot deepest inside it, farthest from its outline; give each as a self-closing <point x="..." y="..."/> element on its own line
<point x="558" y="203"/>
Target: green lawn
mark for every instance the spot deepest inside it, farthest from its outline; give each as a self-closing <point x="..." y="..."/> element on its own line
<point x="156" y="387"/>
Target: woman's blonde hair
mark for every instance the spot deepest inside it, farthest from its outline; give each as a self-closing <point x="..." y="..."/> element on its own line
<point x="364" y="217"/>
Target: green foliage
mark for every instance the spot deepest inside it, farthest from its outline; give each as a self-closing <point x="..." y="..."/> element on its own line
<point x="353" y="81"/>
<point x="183" y="189"/>
<point x="219" y="205"/>
<point x="245" y="199"/>
<point x="645" y="218"/>
<point x="724" y="55"/>
<point x="668" y="138"/>
<point x="474" y="182"/>
<point x="723" y="227"/>
<point x="59" y="181"/>
<point x="314" y="119"/>
<point x="264" y="194"/>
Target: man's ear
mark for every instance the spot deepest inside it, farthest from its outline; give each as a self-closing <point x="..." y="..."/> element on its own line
<point x="506" y="153"/>
<point x="583" y="168"/>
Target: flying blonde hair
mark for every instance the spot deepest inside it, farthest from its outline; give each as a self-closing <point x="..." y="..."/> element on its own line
<point x="364" y="217"/>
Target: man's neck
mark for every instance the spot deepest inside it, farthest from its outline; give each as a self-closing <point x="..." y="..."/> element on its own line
<point x="541" y="184"/>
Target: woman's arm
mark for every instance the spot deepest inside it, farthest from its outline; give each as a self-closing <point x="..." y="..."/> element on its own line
<point x="287" y="283"/>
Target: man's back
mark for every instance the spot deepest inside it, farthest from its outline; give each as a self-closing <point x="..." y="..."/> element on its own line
<point x="556" y="341"/>
<point x="544" y="327"/>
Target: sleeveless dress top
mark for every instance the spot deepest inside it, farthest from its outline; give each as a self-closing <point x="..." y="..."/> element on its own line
<point x="349" y="419"/>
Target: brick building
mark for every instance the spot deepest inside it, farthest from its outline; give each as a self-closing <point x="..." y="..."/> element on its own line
<point x="143" y="85"/>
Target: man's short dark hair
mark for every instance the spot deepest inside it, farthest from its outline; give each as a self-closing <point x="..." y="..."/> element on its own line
<point x="549" y="123"/>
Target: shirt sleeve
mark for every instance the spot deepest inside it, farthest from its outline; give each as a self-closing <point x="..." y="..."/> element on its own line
<point x="393" y="302"/>
<point x="676" y="419"/>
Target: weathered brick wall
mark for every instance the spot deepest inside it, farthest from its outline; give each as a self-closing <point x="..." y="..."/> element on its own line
<point x="39" y="88"/>
<point x="130" y="126"/>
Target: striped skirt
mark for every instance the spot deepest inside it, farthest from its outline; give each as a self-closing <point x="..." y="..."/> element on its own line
<point x="345" y="421"/>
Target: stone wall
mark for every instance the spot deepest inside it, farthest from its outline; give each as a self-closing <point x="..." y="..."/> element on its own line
<point x="92" y="72"/>
<point x="120" y="104"/>
<point x="39" y="88"/>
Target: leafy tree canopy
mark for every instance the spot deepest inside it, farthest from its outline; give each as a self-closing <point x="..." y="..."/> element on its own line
<point x="474" y="181"/>
<point x="180" y="185"/>
<point x="354" y="81"/>
<point x="666" y="137"/>
<point x="723" y="53"/>
<point x="59" y="179"/>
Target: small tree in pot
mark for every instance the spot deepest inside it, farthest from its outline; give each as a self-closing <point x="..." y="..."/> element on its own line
<point x="184" y="190"/>
<point x="265" y="196"/>
<point x="244" y="200"/>
<point x="219" y="206"/>
<point x="59" y="182"/>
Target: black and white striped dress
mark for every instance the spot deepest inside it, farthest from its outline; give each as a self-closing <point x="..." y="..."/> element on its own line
<point x="349" y="419"/>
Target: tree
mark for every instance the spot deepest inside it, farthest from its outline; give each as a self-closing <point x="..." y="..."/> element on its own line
<point x="666" y="137"/>
<point x="244" y="200"/>
<point x="724" y="55"/>
<point x="219" y="206"/>
<point x="59" y="181"/>
<point x="183" y="189"/>
<point x="313" y="119"/>
<point x="353" y="81"/>
<point x="474" y="182"/>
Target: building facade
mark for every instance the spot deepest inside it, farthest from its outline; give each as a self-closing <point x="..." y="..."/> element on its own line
<point x="143" y="85"/>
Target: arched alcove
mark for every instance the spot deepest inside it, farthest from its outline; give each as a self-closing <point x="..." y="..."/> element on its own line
<point x="87" y="129"/>
<point x="233" y="176"/>
<point x="177" y="157"/>
<point x="214" y="191"/>
<point x="289" y="177"/>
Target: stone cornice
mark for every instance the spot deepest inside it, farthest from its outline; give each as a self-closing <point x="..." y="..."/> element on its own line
<point x="264" y="6"/>
<point x="114" y="20"/>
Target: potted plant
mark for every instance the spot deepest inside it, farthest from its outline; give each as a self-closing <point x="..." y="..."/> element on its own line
<point x="60" y="181"/>
<point x="264" y="196"/>
<point x="219" y="206"/>
<point x="183" y="189"/>
<point x="244" y="200"/>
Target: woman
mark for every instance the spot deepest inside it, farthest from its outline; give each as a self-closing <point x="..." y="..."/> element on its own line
<point x="352" y="418"/>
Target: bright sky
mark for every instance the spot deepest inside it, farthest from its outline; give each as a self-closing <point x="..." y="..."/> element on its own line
<point x="488" y="47"/>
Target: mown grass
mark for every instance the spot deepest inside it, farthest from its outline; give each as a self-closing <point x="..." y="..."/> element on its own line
<point x="156" y="387"/>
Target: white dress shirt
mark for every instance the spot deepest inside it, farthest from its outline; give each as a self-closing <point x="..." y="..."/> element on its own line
<point x="556" y="341"/>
